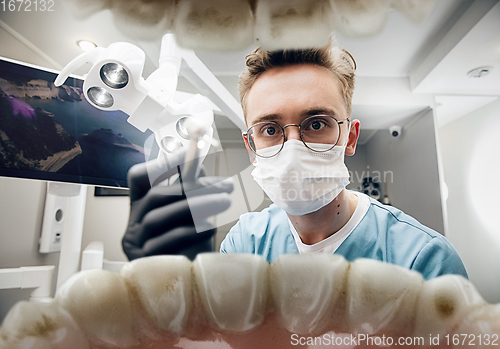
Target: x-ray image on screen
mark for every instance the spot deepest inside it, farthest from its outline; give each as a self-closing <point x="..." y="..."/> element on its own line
<point x="53" y="133"/>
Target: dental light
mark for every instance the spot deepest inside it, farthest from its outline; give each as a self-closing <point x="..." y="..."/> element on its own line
<point x="115" y="82"/>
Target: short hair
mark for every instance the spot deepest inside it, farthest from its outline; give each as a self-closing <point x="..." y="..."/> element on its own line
<point x="331" y="56"/>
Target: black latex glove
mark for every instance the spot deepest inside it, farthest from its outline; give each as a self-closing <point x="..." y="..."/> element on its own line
<point x="172" y="219"/>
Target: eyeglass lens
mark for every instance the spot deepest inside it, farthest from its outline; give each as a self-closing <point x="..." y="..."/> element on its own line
<point x="319" y="133"/>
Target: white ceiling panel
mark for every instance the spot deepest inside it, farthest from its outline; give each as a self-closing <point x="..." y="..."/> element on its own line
<point x="479" y="47"/>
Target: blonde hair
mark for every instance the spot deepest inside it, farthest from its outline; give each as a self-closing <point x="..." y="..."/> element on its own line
<point x="331" y="56"/>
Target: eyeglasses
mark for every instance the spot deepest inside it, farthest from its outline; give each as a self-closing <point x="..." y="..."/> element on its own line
<point x="319" y="133"/>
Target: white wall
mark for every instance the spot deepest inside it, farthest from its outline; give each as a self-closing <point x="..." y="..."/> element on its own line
<point x="470" y="148"/>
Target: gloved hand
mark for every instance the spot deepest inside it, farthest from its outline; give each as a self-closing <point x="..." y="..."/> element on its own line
<point x="172" y="219"/>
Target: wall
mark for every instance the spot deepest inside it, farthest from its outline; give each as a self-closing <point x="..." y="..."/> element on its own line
<point x="247" y="195"/>
<point x="21" y="212"/>
<point x="410" y="166"/>
<point x="470" y="149"/>
<point x="357" y="165"/>
<point x="106" y="219"/>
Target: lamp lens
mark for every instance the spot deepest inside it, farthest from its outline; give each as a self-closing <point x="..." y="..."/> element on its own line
<point x="181" y="128"/>
<point x="100" y="97"/>
<point x="114" y="75"/>
<point x="170" y="144"/>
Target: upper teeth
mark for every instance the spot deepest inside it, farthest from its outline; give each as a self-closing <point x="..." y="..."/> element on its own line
<point x="227" y="25"/>
<point x="309" y="294"/>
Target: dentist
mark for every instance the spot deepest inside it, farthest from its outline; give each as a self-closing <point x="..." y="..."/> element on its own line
<point x="297" y="106"/>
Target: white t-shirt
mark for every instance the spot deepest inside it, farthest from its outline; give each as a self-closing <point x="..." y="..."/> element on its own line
<point x="331" y="243"/>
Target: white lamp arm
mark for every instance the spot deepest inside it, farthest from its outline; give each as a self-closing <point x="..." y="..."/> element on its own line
<point x="197" y="73"/>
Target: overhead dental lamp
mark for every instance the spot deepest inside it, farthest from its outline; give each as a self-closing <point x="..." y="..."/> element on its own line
<point x="115" y="82"/>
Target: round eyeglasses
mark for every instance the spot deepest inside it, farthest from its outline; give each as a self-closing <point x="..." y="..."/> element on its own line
<point x="319" y="133"/>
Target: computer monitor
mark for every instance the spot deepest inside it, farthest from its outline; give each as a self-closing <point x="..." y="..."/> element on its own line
<point x="52" y="133"/>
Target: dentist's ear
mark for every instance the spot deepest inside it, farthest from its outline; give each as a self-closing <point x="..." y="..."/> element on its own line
<point x="251" y="154"/>
<point x="353" y="137"/>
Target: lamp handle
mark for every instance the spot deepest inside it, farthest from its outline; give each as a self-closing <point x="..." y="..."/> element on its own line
<point x="86" y="57"/>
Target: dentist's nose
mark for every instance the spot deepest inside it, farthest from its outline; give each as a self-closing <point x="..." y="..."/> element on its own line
<point x="292" y="132"/>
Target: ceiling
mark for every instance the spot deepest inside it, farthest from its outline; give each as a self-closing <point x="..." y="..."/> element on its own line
<point x="404" y="69"/>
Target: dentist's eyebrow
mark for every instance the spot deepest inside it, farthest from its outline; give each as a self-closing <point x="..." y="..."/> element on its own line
<point x="320" y="111"/>
<point x="266" y="117"/>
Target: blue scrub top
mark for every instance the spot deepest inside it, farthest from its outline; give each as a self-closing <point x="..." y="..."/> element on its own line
<point x="385" y="234"/>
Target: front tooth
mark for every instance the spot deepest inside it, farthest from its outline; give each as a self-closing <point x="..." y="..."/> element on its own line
<point x="232" y="289"/>
<point x="146" y="20"/>
<point x="415" y="10"/>
<point x="162" y="285"/>
<point x="214" y="24"/>
<point x="305" y="290"/>
<point x="361" y="17"/>
<point x="292" y="23"/>
<point x="443" y="302"/>
<point x="99" y="302"/>
<point x="40" y="326"/>
<point x="381" y="296"/>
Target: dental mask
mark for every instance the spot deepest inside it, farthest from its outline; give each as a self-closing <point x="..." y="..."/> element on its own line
<point x="300" y="180"/>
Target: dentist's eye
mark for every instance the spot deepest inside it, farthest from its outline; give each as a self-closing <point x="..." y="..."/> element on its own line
<point x="315" y="125"/>
<point x="270" y="131"/>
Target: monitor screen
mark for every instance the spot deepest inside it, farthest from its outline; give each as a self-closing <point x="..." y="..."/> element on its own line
<point x="53" y="133"/>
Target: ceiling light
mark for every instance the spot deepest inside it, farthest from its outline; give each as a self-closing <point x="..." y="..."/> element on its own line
<point x="86" y="45"/>
<point x="479" y="72"/>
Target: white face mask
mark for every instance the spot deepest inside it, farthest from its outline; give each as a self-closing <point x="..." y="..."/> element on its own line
<point x="300" y="180"/>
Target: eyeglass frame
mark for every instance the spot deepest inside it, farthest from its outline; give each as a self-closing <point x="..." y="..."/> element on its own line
<point x="245" y="134"/>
